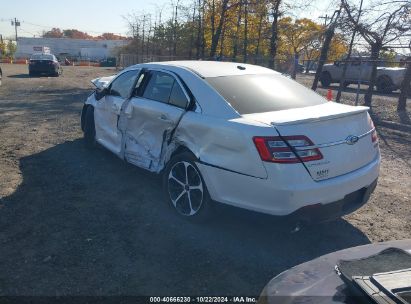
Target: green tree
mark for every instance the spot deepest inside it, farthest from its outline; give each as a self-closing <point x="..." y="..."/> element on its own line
<point x="3" y="49"/>
<point x="53" y="33"/>
<point x="11" y="48"/>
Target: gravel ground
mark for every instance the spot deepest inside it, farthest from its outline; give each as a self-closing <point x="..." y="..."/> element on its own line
<point x="79" y="223"/>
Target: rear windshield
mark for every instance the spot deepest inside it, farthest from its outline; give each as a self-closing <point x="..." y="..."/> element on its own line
<point x="42" y="57"/>
<point x="263" y="93"/>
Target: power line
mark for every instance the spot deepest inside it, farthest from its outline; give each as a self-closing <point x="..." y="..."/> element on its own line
<point x="50" y="27"/>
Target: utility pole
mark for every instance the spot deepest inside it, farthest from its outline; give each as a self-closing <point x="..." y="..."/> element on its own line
<point x="15" y="23"/>
<point x="175" y="31"/>
<point x="326" y="17"/>
<point x="142" y="42"/>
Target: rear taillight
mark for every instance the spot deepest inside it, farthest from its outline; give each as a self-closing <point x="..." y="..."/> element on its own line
<point x="374" y="136"/>
<point x="276" y="150"/>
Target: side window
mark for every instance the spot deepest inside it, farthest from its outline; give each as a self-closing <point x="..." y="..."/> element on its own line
<point x="159" y="87"/>
<point x="123" y="84"/>
<point x="177" y="97"/>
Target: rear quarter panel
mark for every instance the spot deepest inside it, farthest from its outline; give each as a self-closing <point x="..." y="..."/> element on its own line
<point x="224" y="143"/>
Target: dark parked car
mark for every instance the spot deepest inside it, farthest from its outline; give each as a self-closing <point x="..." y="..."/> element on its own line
<point x="44" y="64"/>
<point x="1" y="76"/>
<point x="373" y="273"/>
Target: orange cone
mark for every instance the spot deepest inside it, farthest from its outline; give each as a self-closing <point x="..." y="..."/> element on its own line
<point x="329" y="95"/>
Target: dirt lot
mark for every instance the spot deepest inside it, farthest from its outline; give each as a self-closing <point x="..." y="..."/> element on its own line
<point x="77" y="223"/>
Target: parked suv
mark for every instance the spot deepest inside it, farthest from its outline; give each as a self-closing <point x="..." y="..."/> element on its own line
<point x="359" y="70"/>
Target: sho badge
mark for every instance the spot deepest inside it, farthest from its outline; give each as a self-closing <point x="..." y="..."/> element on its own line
<point x="352" y="139"/>
<point x="322" y="173"/>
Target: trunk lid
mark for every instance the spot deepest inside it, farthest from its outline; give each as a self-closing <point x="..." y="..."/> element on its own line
<point x="341" y="132"/>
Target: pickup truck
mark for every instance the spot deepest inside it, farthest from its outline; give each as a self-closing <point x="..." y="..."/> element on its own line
<point x="359" y="70"/>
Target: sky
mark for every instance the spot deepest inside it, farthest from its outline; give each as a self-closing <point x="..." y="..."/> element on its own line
<point x="91" y="16"/>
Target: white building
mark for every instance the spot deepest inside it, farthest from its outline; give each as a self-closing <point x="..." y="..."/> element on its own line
<point x="83" y="48"/>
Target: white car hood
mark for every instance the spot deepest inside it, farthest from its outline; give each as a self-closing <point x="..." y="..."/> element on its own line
<point x="102" y="82"/>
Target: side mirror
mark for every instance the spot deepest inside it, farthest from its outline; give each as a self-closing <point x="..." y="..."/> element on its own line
<point x="100" y="93"/>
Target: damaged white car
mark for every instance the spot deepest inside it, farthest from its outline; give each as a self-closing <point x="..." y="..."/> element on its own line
<point x="237" y="134"/>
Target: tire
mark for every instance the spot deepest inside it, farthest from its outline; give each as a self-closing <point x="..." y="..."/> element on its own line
<point x="325" y="79"/>
<point x="384" y="84"/>
<point x="185" y="188"/>
<point x="89" y="128"/>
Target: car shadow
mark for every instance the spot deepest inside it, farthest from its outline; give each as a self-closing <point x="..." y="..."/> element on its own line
<point x="85" y="223"/>
<point x="19" y="76"/>
<point x="22" y="76"/>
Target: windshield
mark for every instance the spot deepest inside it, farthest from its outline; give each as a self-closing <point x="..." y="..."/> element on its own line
<point x="42" y="57"/>
<point x="263" y="93"/>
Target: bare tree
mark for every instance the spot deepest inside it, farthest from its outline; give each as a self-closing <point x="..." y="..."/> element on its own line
<point x="405" y="87"/>
<point x="237" y="31"/>
<point x="344" y="71"/>
<point x="245" y="45"/>
<point x="216" y="31"/>
<point x="200" y="30"/>
<point x="329" y="34"/>
<point x="275" y="13"/>
<point x="190" y="51"/>
<point x="175" y="28"/>
<point x="261" y="15"/>
<point x="384" y="22"/>
<point x="276" y="9"/>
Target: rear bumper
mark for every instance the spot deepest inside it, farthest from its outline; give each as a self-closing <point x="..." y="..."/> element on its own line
<point x="334" y="210"/>
<point x="43" y="69"/>
<point x="292" y="191"/>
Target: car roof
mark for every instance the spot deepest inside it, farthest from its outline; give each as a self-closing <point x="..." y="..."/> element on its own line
<point x="206" y="69"/>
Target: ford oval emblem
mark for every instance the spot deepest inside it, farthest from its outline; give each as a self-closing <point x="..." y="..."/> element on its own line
<point x="352" y="139"/>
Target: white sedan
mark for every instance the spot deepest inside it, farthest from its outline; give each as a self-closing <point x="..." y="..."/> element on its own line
<point x="237" y="134"/>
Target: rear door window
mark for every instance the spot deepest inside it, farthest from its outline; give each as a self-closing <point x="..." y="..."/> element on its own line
<point x="159" y="87"/>
<point x="164" y="88"/>
<point x="263" y="93"/>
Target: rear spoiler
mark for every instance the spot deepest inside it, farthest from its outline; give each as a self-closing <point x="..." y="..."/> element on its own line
<point x="298" y="120"/>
